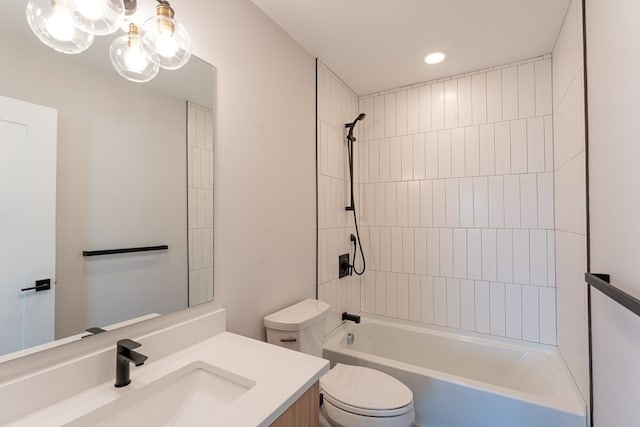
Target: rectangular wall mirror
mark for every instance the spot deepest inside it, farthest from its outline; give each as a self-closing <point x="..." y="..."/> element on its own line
<point x="91" y="162"/>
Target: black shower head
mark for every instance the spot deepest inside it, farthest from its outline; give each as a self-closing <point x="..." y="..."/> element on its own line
<point x="361" y="116"/>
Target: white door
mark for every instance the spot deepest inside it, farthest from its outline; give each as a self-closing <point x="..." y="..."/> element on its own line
<point x="28" y="137"/>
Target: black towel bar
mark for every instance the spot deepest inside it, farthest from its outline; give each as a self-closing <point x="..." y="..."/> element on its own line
<point x="602" y="283"/>
<point x="125" y="250"/>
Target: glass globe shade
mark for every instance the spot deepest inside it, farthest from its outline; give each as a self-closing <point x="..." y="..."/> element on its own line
<point x="52" y="22"/>
<point x="130" y="60"/>
<point x="99" y="17"/>
<point x="166" y="42"/>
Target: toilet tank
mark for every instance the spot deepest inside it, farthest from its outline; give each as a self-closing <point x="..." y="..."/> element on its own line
<point x="299" y="327"/>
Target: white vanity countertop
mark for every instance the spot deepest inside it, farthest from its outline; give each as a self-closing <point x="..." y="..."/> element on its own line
<point x="281" y="377"/>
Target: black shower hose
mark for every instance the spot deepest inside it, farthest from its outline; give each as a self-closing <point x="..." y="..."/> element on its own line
<point x="355" y="219"/>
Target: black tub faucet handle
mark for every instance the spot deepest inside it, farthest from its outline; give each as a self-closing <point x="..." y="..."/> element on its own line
<point x="351" y="317"/>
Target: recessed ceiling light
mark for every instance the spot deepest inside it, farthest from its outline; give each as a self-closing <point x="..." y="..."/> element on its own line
<point x="435" y="58"/>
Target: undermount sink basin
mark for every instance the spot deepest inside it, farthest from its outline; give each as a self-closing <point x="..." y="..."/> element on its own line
<point x="190" y="396"/>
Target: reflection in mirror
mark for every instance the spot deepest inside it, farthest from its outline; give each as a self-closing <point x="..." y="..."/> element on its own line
<point x="90" y="161"/>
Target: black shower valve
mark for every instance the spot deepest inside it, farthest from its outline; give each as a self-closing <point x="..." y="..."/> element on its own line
<point x="344" y="266"/>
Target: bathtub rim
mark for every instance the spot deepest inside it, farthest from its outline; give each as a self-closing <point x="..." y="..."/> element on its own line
<point x="573" y="404"/>
<point x="512" y="343"/>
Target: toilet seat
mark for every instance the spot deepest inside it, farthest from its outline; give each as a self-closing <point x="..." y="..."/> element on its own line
<point x="378" y="413"/>
<point x="366" y="392"/>
<point x="331" y="415"/>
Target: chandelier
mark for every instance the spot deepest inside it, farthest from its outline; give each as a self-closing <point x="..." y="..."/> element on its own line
<point x="70" y="26"/>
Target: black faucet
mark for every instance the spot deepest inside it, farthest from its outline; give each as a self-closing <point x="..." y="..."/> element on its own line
<point x="124" y="357"/>
<point x="352" y="317"/>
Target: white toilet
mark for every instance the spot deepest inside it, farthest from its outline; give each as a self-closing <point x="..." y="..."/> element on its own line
<point x="354" y="396"/>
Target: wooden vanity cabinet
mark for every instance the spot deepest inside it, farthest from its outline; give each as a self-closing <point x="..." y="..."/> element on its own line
<point x="304" y="412"/>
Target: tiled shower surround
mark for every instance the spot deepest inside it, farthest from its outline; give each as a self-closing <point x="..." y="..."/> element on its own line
<point x="570" y="173"/>
<point x="337" y="105"/>
<point x="200" y="209"/>
<point x="456" y="203"/>
<point x="454" y="197"/>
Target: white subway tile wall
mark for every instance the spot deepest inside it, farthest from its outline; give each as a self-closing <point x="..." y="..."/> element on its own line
<point x="337" y="105"/>
<point x="200" y="205"/>
<point x="458" y="190"/>
<point x="570" y="258"/>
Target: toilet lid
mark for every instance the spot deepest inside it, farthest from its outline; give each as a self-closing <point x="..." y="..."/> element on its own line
<point x="364" y="388"/>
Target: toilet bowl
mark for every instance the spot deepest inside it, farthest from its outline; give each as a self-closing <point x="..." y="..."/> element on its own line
<point x="359" y="396"/>
<point x="353" y="396"/>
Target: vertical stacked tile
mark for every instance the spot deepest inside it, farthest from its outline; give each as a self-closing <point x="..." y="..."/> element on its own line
<point x="570" y="193"/>
<point x="337" y="105"/>
<point x="200" y="205"/>
<point x="456" y="185"/>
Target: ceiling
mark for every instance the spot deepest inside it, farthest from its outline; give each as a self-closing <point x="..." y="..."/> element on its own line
<point x="374" y="45"/>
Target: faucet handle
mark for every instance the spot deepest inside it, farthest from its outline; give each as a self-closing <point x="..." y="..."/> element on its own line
<point x="125" y="349"/>
<point x="127" y="344"/>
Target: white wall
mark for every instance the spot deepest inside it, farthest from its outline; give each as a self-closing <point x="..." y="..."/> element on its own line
<point x="121" y="182"/>
<point x="570" y="194"/>
<point x="614" y="129"/>
<point x="457" y="197"/>
<point x="264" y="160"/>
<point x="337" y="105"/>
<point x="613" y="66"/>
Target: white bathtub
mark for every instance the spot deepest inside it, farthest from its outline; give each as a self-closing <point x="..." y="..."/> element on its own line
<point x="465" y="380"/>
